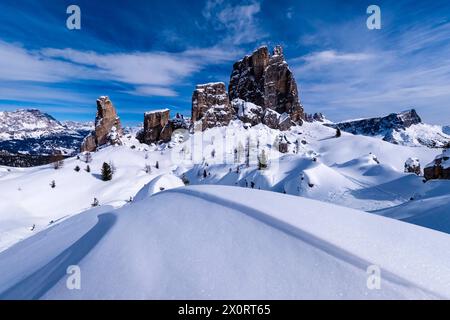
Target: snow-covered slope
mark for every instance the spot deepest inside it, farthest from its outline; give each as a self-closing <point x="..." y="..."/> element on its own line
<point x="429" y="207"/>
<point x="336" y="170"/>
<point x="319" y="166"/>
<point x="217" y="242"/>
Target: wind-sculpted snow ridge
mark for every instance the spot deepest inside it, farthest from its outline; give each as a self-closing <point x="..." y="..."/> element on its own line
<point x="215" y="242"/>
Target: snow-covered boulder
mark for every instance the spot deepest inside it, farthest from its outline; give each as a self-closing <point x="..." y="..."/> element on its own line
<point x="248" y="112"/>
<point x="439" y="168"/>
<point x="412" y="165"/>
<point x="160" y="183"/>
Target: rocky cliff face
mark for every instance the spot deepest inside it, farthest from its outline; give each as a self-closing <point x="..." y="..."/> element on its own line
<point x="211" y="105"/>
<point x="266" y="80"/>
<point x="158" y="127"/>
<point x="262" y="90"/>
<point x="105" y="120"/>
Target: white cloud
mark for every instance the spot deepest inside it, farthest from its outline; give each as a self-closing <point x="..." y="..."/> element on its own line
<point x="327" y="57"/>
<point x="151" y="73"/>
<point x="239" y="22"/>
<point x="132" y="68"/>
<point x="149" y="91"/>
<point x="17" y="63"/>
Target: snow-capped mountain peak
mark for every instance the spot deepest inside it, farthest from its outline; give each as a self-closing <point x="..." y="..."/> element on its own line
<point x="404" y="128"/>
<point x="31" y="131"/>
<point x="27" y="123"/>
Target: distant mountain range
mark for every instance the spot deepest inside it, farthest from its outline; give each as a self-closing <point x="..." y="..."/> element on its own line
<point x="30" y="132"/>
<point x="404" y="128"/>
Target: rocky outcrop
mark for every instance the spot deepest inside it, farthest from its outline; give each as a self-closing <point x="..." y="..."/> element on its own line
<point x="248" y="112"/>
<point x="211" y="105"/>
<point x="252" y="114"/>
<point x="316" y="117"/>
<point x="266" y="80"/>
<point x="439" y="168"/>
<point x="412" y="165"/>
<point x="107" y="126"/>
<point x="158" y="127"/>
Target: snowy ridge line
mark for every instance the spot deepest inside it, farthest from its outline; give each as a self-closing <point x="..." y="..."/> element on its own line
<point x="284" y="225"/>
<point x="39" y="282"/>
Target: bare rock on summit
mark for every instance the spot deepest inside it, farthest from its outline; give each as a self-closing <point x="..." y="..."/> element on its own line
<point x="105" y="120"/>
<point x="266" y="80"/>
<point x="211" y="105"/>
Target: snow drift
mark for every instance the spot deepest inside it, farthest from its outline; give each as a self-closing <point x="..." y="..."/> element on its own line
<point x="214" y="242"/>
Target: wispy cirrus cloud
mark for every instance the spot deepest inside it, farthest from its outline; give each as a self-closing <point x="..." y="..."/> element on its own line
<point x="328" y="57"/>
<point x="149" y="91"/>
<point x="392" y="71"/>
<point x="239" y="22"/>
<point x="150" y="73"/>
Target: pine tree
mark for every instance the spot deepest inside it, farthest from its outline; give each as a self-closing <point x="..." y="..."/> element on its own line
<point x="262" y="161"/>
<point x="185" y="179"/>
<point x="247" y="152"/>
<point x="87" y="157"/>
<point x="58" y="161"/>
<point x="338" y="133"/>
<point x="95" y="203"/>
<point x="106" y="172"/>
<point x="205" y="174"/>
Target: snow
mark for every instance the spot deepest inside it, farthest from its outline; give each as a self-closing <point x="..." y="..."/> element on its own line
<point x="157" y="111"/>
<point x="358" y="182"/>
<point x="214" y="242"/>
<point x="160" y="183"/>
<point x="443" y="160"/>
<point x="421" y="134"/>
<point x="221" y="237"/>
<point x="412" y="162"/>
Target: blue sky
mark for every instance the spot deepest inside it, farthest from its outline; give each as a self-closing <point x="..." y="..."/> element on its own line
<point x="150" y="54"/>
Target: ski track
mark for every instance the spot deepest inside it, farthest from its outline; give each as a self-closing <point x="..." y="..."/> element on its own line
<point x="302" y="235"/>
<point x="38" y="283"/>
